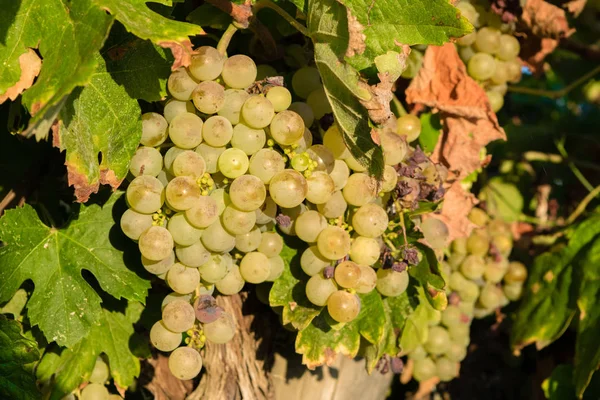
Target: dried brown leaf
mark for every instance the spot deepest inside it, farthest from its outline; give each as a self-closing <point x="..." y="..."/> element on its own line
<point x="546" y="20"/>
<point x="455" y="211"/>
<point x="30" y="65"/>
<point x="535" y="50"/>
<point x="182" y="52"/>
<point x="575" y="7"/>
<point x="469" y="122"/>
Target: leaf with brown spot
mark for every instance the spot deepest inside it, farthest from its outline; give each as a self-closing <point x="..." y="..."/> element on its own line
<point x="356" y="37"/>
<point x="182" y="52"/>
<point x="30" y="65"/>
<point x="455" y="211"/>
<point x="469" y="122"/>
<point x="241" y="13"/>
<point x="546" y="20"/>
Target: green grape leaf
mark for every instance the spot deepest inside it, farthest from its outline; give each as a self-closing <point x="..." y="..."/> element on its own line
<point x="210" y="16"/>
<point x="431" y="129"/>
<point x="18" y="356"/>
<point x="328" y="27"/>
<point x="371" y="322"/>
<point x="587" y="346"/>
<point x="416" y="328"/>
<point x="110" y="335"/>
<point x="427" y="273"/>
<point x="63" y="304"/>
<point x="141" y="67"/>
<point x="99" y="118"/>
<point x="548" y="304"/>
<point x="384" y="25"/>
<point x="16" y="304"/>
<point x="559" y="386"/>
<point x="502" y="199"/>
<point x="288" y="291"/>
<point x="67" y="35"/>
<point x="147" y="24"/>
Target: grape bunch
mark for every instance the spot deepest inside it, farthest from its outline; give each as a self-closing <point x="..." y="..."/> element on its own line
<point x="490" y="53"/>
<point x="479" y="279"/>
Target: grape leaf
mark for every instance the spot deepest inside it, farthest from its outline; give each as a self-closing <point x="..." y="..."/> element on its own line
<point x="288" y="290"/>
<point x="502" y="199"/>
<point x="147" y="24"/>
<point x="548" y="303"/>
<point x="383" y="25"/>
<point x="371" y="322"/>
<point x="18" y="356"/>
<point x="99" y="118"/>
<point x="328" y="26"/>
<point x="63" y="304"/>
<point x="210" y="16"/>
<point x="110" y="335"/>
<point x="415" y="329"/>
<point x="559" y="386"/>
<point x="431" y="128"/>
<point x="67" y="36"/>
<point x="427" y="272"/>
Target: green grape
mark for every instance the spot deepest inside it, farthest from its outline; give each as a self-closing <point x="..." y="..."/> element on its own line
<point x="209" y="97"/>
<point x="173" y="108"/>
<point x="317" y="100"/>
<point x="502" y="89"/>
<point x="354" y="165"/>
<point x="446" y="369"/>
<point x="469" y="292"/>
<point x="216" y="238"/>
<point x="304" y="111"/>
<point x="287" y="127"/>
<point x="267" y="212"/>
<point x="309" y="225"/>
<point x="182" y="193"/>
<point x="178" y="316"/>
<point x="466" y="53"/>
<point x="391" y="283"/>
<point x="189" y="163"/>
<point x="239" y="71"/>
<point x="452" y="315"/>
<point x="509" y="48"/>
<point x="183" y="233"/>
<point x="207" y="63"/>
<point x="435" y="232"/>
<point x="175" y="296"/>
<point x="280" y="97"/>
<point x="145" y="194"/>
<point x="488" y="40"/>
<point x="221" y="330"/>
<point x="467" y="40"/>
<point x="410" y="126"/>
<point x="322" y="156"/>
<point x="481" y="66"/>
<point x="185" y="130"/>
<point x="185" y="363"/>
<point x="454" y="260"/>
<point x="365" y="250"/>
<point x="156" y="243"/>
<point x="478" y="244"/>
<point x="160" y="266"/>
<point x="333" y="243"/>
<point x="271" y="244"/>
<point x="419" y="353"/>
<point x="478" y="217"/>
<point x="503" y="243"/>
<point x="94" y="391"/>
<point x="265" y="163"/>
<point x="334" y="142"/>
<point x="514" y="71"/>
<point x="257" y="112"/>
<point x="460" y="334"/>
<point x="154" y="129"/>
<point x="170" y="157"/>
<point x="490" y="297"/>
<point x="334" y="207"/>
<point x="133" y="224"/>
<point x="370" y="220"/>
<point x="100" y="373"/>
<point x="300" y="162"/>
<point x="248" y="242"/>
<point x="473" y="267"/>
<point x="457" y="352"/>
<point x="312" y="262"/>
<point x="255" y="267"/>
<point x="306" y="141"/>
<point x="276" y="266"/>
<point x="238" y="222"/>
<point x="319" y="288"/>
<point x="232" y="107"/>
<point x="181" y="84"/>
<point x="343" y="306"/>
<point x="394" y="147"/>
<point x="222" y="199"/>
<point x="496" y="100"/>
<point x="469" y="12"/>
<point x="288" y="188"/>
<point x="211" y="156"/>
<point x="320" y="187"/>
<point x="438" y="341"/>
<point x="217" y="131"/>
<point x="233" y="163"/>
<point x="368" y="280"/>
<point x="216" y="268"/>
<point x="204" y="212"/>
<point x="182" y="279"/>
<point x="494" y="271"/>
<point x="248" y="139"/>
<point x="424" y="369"/>
<point x="347" y="275"/>
<point x="163" y="339"/>
<point x="192" y="256"/>
<point x="517" y="273"/>
<point x="360" y="189"/>
<point x="500" y="76"/>
<point x="247" y="193"/>
<point x="340" y="174"/>
<point x="513" y="291"/>
<point x="457" y="281"/>
<point x="306" y="80"/>
<point x="265" y="71"/>
<point x="231" y="283"/>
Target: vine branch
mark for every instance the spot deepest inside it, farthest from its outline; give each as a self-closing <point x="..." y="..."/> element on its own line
<point x="582" y="206"/>
<point x="555" y="94"/>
